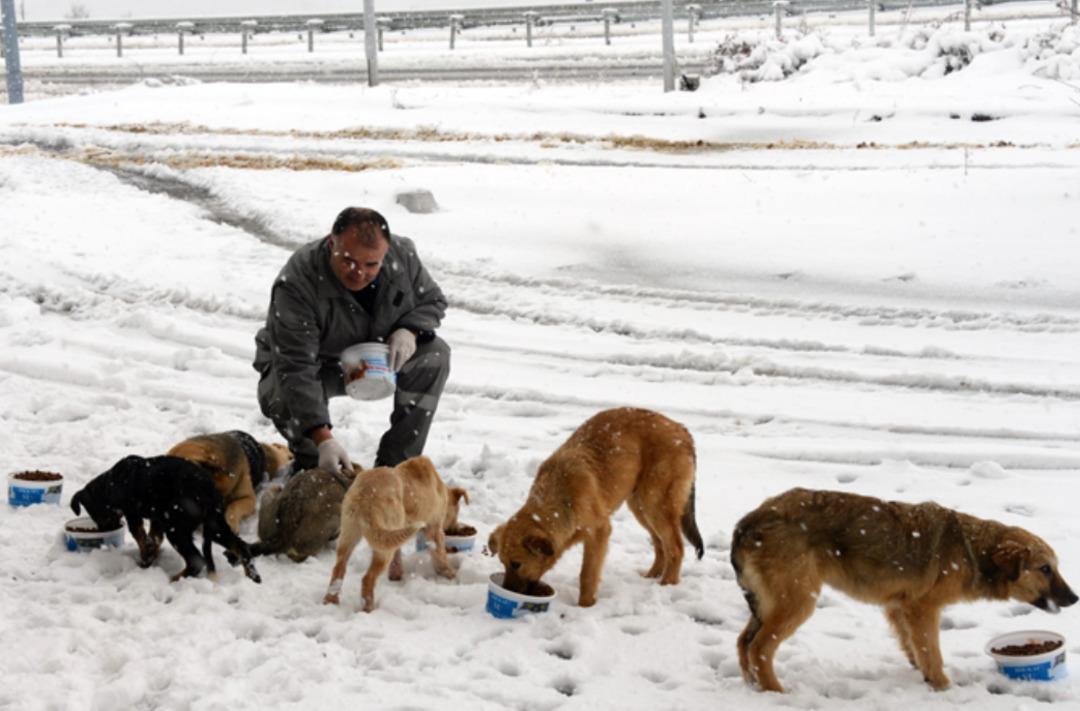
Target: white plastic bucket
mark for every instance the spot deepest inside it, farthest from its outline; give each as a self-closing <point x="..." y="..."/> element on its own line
<point x="25" y="492"/>
<point x="1045" y="666"/>
<point x="505" y="603"/>
<point x="86" y="536"/>
<point x="367" y="371"/>
<point x="454" y="544"/>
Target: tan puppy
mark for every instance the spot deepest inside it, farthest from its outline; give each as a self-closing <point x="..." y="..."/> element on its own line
<point x="627" y="454"/>
<point x="238" y="465"/>
<point x="914" y="559"/>
<point x="387" y="506"/>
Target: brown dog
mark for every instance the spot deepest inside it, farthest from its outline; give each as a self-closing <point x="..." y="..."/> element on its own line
<point x="627" y="454"/>
<point x="237" y="463"/>
<point x="914" y="559"/>
<point x="387" y="506"/>
<point x="301" y="517"/>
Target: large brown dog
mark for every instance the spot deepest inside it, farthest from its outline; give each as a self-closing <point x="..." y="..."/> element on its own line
<point x="626" y="454"/>
<point x="914" y="559"/>
<point x="387" y="507"/>
<point x="237" y="463"/>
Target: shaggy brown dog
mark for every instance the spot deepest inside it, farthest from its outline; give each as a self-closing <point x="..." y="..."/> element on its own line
<point x="626" y="454"/>
<point x="301" y="517"/>
<point x="914" y="559"/>
<point x="238" y="465"/>
<point x="387" y="506"/>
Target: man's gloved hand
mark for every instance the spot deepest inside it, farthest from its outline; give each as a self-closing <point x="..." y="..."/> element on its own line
<point x="402" y="344"/>
<point x="333" y="457"/>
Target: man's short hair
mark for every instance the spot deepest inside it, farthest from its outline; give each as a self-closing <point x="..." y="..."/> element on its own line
<point x="361" y="217"/>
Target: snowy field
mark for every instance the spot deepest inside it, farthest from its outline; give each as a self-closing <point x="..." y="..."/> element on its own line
<point x="862" y="277"/>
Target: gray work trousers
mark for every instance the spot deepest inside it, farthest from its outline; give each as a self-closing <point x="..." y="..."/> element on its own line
<point x="420" y="384"/>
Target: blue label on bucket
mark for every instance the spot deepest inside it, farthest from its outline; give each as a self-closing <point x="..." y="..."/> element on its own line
<point x="25" y="496"/>
<point x="500" y="606"/>
<point x="1043" y="671"/>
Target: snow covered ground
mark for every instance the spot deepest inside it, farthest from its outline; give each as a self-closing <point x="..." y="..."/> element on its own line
<point x="839" y="280"/>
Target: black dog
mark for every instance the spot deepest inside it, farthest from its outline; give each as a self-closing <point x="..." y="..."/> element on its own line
<point x="177" y="496"/>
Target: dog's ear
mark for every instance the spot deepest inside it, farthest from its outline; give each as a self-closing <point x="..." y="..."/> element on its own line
<point x="495" y="539"/>
<point x="457" y="494"/>
<point x="1011" y="558"/>
<point x="76" y="503"/>
<point x="538" y="545"/>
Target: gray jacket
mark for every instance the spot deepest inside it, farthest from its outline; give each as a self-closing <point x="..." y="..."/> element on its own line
<point x="313" y="317"/>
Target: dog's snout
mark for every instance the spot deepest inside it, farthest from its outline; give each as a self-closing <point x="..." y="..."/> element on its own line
<point x="1068" y="597"/>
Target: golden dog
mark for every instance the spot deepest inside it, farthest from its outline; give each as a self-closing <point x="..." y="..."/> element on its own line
<point x="238" y="464"/>
<point x="914" y="559"/>
<point x="387" y="507"/>
<point x="626" y="454"/>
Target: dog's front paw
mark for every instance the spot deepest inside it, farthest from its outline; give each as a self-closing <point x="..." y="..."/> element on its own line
<point x="232" y="558"/>
<point x="447" y="572"/>
<point x="331" y="599"/>
<point x="586" y="600"/>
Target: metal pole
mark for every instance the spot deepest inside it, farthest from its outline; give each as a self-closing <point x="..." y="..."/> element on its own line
<point x="246" y="27"/>
<point x="967" y="15"/>
<point x="873" y="8"/>
<point x="530" y="18"/>
<point x="778" y="7"/>
<point x="119" y="44"/>
<point x="312" y="24"/>
<point x="609" y="14"/>
<point x="668" y="30"/>
<point x="694" y="12"/>
<point x="11" y="53"/>
<point x="180" y="42"/>
<point x="371" y="46"/>
<point x="455" y="25"/>
<point x="181" y="28"/>
<point x="59" y="44"/>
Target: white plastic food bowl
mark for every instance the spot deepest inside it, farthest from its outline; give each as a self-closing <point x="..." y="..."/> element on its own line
<point x="505" y="603"/>
<point x="367" y="371"/>
<point x="1044" y="666"/>
<point x="454" y="544"/>
<point x="43" y="488"/>
<point x="82" y="534"/>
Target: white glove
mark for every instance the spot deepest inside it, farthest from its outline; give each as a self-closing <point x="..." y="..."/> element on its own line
<point x="402" y="344"/>
<point x="333" y="457"/>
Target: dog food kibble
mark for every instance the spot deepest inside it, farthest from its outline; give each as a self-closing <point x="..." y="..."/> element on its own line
<point x="80" y="529"/>
<point x="460" y="530"/>
<point x="1029" y="649"/>
<point x="38" y="476"/>
<point x="539" y="589"/>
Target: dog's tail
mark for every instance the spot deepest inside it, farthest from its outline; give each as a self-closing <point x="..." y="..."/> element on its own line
<point x="76" y="503"/>
<point x="381" y="538"/>
<point x="689" y="524"/>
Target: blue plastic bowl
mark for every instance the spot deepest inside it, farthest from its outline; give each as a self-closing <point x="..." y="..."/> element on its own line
<point x="82" y="535"/>
<point x="507" y="604"/>
<point x="27" y="492"/>
<point x="1046" y="666"/>
<point x="454" y="544"/>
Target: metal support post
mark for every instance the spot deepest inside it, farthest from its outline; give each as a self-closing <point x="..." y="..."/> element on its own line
<point x="11" y="53"/>
<point x="694" y="14"/>
<point x="778" y="8"/>
<point x="873" y="9"/>
<point x="667" y="26"/>
<point x="246" y="28"/>
<point x="181" y="28"/>
<point x="455" y="25"/>
<point x="371" y="49"/>
<point x="120" y="28"/>
<point x="311" y="26"/>
<point x="60" y="30"/>
<point x="530" y="19"/>
<point x="967" y="15"/>
<point x="609" y="14"/>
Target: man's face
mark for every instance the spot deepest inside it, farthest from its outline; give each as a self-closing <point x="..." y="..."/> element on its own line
<point x="354" y="261"/>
